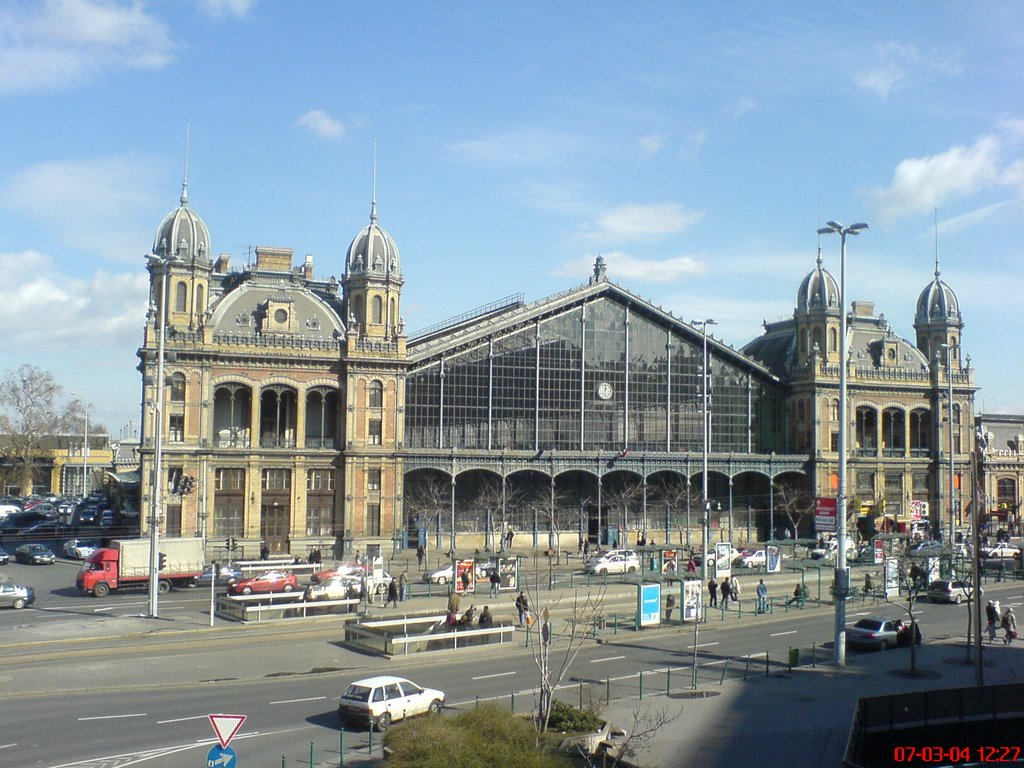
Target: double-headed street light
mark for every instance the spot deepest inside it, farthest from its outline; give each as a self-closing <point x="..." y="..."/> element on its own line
<point x="705" y="521"/>
<point x="158" y="443"/>
<point x="842" y="578"/>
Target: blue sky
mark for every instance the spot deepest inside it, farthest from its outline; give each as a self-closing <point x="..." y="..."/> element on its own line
<point x="696" y="146"/>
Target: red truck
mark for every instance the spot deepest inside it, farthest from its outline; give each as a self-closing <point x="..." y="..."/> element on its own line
<point x="125" y="563"/>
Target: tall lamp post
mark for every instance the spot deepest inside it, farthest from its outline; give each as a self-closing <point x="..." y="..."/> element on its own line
<point x="842" y="578"/>
<point x="85" y="448"/>
<point x="952" y="459"/>
<point x="705" y="521"/>
<point x="158" y="445"/>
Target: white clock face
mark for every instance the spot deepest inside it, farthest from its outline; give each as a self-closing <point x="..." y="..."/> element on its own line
<point x="605" y="391"/>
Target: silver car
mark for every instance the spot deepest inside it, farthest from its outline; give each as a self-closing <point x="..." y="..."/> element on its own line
<point x="950" y="591"/>
<point x="15" y="595"/>
<point x="879" y="633"/>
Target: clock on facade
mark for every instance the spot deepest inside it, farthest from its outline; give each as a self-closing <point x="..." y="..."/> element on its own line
<point x="281" y="315"/>
<point x="605" y="391"/>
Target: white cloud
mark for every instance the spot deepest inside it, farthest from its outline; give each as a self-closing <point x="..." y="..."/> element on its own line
<point x="900" y="65"/>
<point x="322" y="124"/>
<point x="651" y="145"/>
<point x="623" y="268"/>
<point x="103" y="309"/>
<point x="64" y="42"/>
<point x="221" y="8"/>
<point x="526" y="146"/>
<point x="920" y="184"/>
<point x="966" y="221"/>
<point x="742" y="107"/>
<point x="634" y="221"/>
<point x="693" y="144"/>
<point x="102" y="205"/>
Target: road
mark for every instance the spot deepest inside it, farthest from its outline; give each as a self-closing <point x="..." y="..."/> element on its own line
<point x="145" y="700"/>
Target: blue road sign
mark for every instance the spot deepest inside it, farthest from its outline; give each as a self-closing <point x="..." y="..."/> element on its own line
<point x="221" y="757"/>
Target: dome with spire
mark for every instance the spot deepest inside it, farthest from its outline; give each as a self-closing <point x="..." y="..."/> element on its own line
<point x="937" y="303"/>
<point x="182" y="234"/>
<point x="373" y="251"/>
<point x="818" y="290"/>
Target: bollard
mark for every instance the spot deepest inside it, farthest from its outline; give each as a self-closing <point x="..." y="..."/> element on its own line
<point x="814" y="654"/>
<point x="311" y="755"/>
<point x="607" y="691"/>
<point x="794" y="657"/>
<point x="512" y="702"/>
<point x="668" y="679"/>
<point x="369" y="744"/>
<point x="581" y="695"/>
<point x="283" y="762"/>
<point x="641" y="685"/>
<point x="341" y="745"/>
<point x="477" y="703"/>
<point x="767" y="672"/>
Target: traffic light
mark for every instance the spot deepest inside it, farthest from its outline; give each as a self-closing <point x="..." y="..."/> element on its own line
<point x="231" y="545"/>
<point x="162" y="561"/>
<point x="186" y="485"/>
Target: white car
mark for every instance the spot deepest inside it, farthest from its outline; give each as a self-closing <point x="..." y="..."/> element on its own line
<point x="613" y="561"/>
<point x="77" y="549"/>
<point x="382" y="700"/>
<point x="757" y="559"/>
<point x="734" y="555"/>
<point x="334" y="588"/>
<point x="1000" y="551"/>
<point x="444" y="575"/>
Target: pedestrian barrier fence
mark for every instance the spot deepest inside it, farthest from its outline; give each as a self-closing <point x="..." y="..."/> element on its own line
<point x="420" y="633"/>
<point x="278" y="605"/>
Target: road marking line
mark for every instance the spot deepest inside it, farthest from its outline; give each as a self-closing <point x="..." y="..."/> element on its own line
<point x="12" y="744"/>
<point x="496" y="674"/>
<point x="99" y="610"/>
<point x="181" y="719"/>
<point x="296" y="701"/>
<point x="705" y="645"/>
<point x="111" y="717"/>
<point x="780" y="634"/>
<point x="609" y="658"/>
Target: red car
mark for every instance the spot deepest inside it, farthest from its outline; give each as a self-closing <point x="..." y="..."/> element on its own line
<point x="271" y="581"/>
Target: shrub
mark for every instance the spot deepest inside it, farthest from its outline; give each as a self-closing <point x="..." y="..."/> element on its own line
<point x="570" y="719"/>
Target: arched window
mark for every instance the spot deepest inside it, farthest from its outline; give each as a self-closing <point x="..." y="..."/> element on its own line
<point x="819" y="342"/>
<point x="178" y="388"/>
<point x="867" y="431"/>
<point x="200" y="300"/>
<point x="893" y="432"/>
<point x="181" y="297"/>
<point x="833" y="340"/>
<point x="378" y="310"/>
<point x="359" y="310"/>
<point x="833" y="410"/>
<point x="393" y="314"/>
<point x="375" y="394"/>
<point x="920" y="432"/>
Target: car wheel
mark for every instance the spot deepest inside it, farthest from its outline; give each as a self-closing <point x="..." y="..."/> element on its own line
<point x="19" y="602"/>
<point x="246" y="590"/>
<point x="163" y="586"/>
<point x="102" y="589"/>
<point x="631" y="569"/>
<point x="435" y="707"/>
<point x="288" y="587"/>
<point x="958" y="599"/>
<point x="383" y="721"/>
<point x="442" y="579"/>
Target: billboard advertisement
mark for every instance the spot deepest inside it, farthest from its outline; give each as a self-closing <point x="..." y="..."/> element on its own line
<point x="648" y="605"/>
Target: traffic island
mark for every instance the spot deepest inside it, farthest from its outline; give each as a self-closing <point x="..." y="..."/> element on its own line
<point x="421" y="633"/>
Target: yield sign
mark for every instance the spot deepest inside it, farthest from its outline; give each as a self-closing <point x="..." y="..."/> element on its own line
<point x="226" y="726"/>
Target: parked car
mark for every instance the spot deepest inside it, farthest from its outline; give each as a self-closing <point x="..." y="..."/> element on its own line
<point x="340" y="569"/>
<point x="225" y="574"/>
<point x="879" y="633"/>
<point x="756" y="559"/>
<point x="385" y="699"/>
<point x="34" y="554"/>
<point x="1000" y="552"/>
<point x="79" y="549"/>
<point x="335" y="588"/>
<point x="950" y="591"/>
<point x="4" y="557"/>
<point x="47" y="529"/>
<point x="926" y="549"/>
<point x="831" y="549"/>
<point x="734" y="555"/>
<point x="444" y="575"/>
<point x="613" y="561"/>
<point x="265" y="583"/>
<point x="16" y="595"/>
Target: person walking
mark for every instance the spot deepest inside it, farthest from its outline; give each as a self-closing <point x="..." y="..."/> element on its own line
<point x="713" y="591"/>
<point x="486" y="619"/>
<point x="495" y="580"/>
<point x="670" y="604"/>
<point x="453" y="601"/>
<point x="734" y="588"/>
<point x="403" y="586"/>
<point x="464" y="578"/>
<point x="726" y="590"/>
<point x="992" y="620"/>
<point x="1009" y="624"/>
<point x="762" y="596"/>
<point x="392" y="594"/>
<point x="420" y="555"/>
<point x="522" y="607"/>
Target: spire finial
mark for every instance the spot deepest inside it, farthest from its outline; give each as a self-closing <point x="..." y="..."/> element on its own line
<point x="819" y="229"/>
<point x="935" y="212"/>
<point x="373" y="190"/>
<point x="184" y="182"/>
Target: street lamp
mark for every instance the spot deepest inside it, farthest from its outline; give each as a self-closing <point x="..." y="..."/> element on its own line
<point x="952" y="459"/>
<point x="705" y="532"/>
<point x="842" y="579"/>
<point x="158" y="444"/>
<point x="85" y="448"/>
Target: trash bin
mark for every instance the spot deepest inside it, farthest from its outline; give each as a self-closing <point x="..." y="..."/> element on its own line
<point x="794" y="657"/>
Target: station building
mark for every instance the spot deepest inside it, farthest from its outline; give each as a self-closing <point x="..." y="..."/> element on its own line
<point x="310" y="417"/>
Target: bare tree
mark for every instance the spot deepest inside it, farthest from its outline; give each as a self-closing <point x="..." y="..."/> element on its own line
<point x="962" y="570"/>
<point x="795" y="503"/>
<point x="32" y="415"/>
<point x="556" y="644"/>
<point x="429" y="497"/>
<point x="679" y="496"/>
<point x="622" y="500"/>
<point x="912" y="577"/>
<point x="646" y="724"/>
